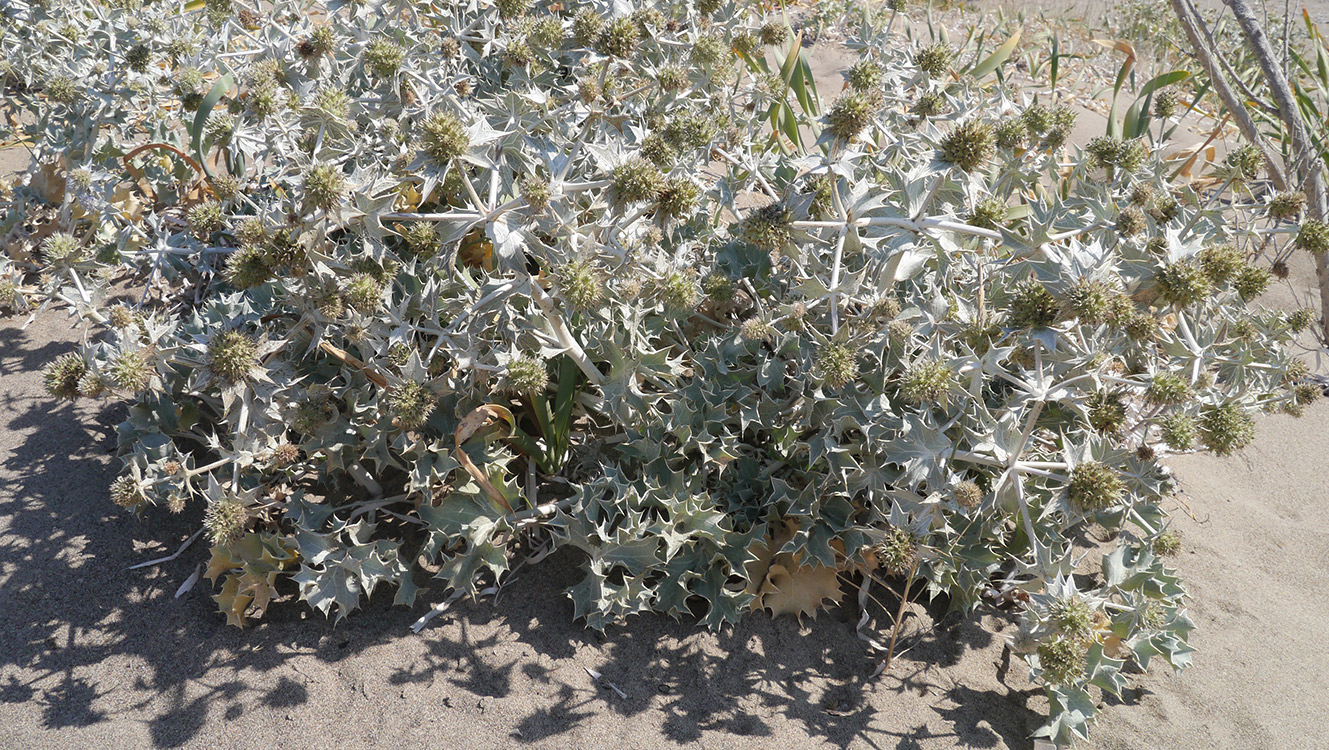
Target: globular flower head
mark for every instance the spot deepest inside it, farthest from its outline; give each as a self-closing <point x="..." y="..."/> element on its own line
<point x="1107" y="411"/>
<point x="1313" y="237"/>
<point x="319" y="43"/>
<point x="1010" y="132"/>
<point x="225" y="521"/>
<point x="61" y="376"/>
<point x="1168" y="389"/>
<point x="767" y="227"/>
<point x="62" y="248"/>
<point x="851" y="113"/>
<point x="930" y="104"/>
<point x="927" y="381"/>
<point x="1226" y="428"/>
<point x="969" y="145"/>
<point x="1094" y="486"/>
<point x="1244" y="163"/>
<point x="673" y="77"/>
<point x="838" y="364"/>
<point x="773" y="33"/>
<point x="934" y="59"/>
<point x="1183" y="283"/>
<point x="132" y="370"/>
<point x="1131" y="221"/>
<point x="968" y="494"/>
<point x="1165" y="103"/>
<point x="323" y="187"/>
<point x="383" y="57"/>
<point x="619" y="38"/>
<point x="580" y="284"/>
<point x="1179" y="431"/>
<point x="659" y="150"/>
<point x="444" y="137"/>
<point x="1074" y="616"/>
<point x="121" y="317"/>
<point x="677" y="197"/>
<point x="586" y="26"/>
<point x="285" y="454"/>
<point x="898" y="553"/>
<point x="1221" y="262"/>
<point x="1167" y="543"/>
<point x="125" y="492"/>
<point x="526" y="374"/>
<point x="1033" y="306"/>
<point x="247" y="267"/>
<point x="756" y="329"/>
<point x="1090" y="300"/>
<point x="232" y="356"/>
<point x="1285" y="206"/>
<point x="411" y="403"/>
<point x="1251" y="282"/>
<point x="63" y="90"/>
<point x="1063" y="660"/>
<point x="678" y="291"/>
<point x="637" y="180"/>
<point x="535" y="191"/>
<point x="364" y="292"/>
<point x="138" y="57"/>
<point x="865" y="75"/>
<point x="1300" y="319"/>
<point x="421" y="239"/>
<point x="513" y="8"/>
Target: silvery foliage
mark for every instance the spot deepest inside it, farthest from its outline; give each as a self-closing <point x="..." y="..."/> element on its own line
<point x="717" y="348"/>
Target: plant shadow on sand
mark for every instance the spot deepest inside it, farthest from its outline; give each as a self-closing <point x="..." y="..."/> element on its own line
<point x="89" y="642"/>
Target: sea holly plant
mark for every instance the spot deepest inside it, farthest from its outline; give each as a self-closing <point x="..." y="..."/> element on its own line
<point x="406" y="295"/>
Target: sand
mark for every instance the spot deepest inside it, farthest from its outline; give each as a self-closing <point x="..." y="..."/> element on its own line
<point x="94" y="655"/>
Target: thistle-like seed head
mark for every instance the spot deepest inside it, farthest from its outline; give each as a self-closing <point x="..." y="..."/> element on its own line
<point x="1179" y="431"/>
<point x="247" y="267"/>
<point x="513" y="8"/>
<point x="1285" y="206"/>
<point x="756" y="329"/>
<point x="767" y="227"/>
<point x="618" y="39"/>
<point x="1090" y="300"/>
<point x="526" y="374"/>
<point x="865" y="75"/>
<point x="411" y="404"/>
<point x="678" y="197"/>
<point x="1094" y="486"/>
<point x="225" y="521"/>
<point x="1226" y="428"/>
<point x="1074" y="616"/>
<point x="1165" y="103"/>
<point x="125" y="492"/>
<point x="63" y="90"/>
<point x="1313" y="237"/>
<point x="1300" y="319"/>
<point x="838" y="364"/>
<point x="1131" y="221"/>
<point x="968" y="494"/>
<point x="587" y="25"/>
<point x="132" y="371"/>
<point x="285" y="454"/>
<point x="1168" y="389"/>
<point x="1244" y="163"/>
<point x="898" y="552"/>
<point x="1033" y="306"/>
<point x="774" y="34"/>
<point x="637" y="180"/>
<point x="1063" y="660"/>
<point x="930" y="104"/>
<point x="927" y="381"/>
<point x="581" y="284"/>
<point x="1221" y="263"/>
<point x="535" y="191"/>
<point x="934" y="59"/>
<point x="444" y="137"/>
<point x="61" y="376"/>
<point x="852" y="113"/>
<point x="232" y="356"/>
<point x="62" y="248"/>
<point x="1107" y="412"/>
<point x="1167" y="543"/>
<point x="382" y="58"/>
<point x="421" y="239"/>
<point x="969" y="145"/>
<point x="1183" y="283"/>
<point x="364" y="292"/>
<point x="1010" y="132"/>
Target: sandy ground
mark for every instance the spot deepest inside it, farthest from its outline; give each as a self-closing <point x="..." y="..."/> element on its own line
<point x="96" y="656"/>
